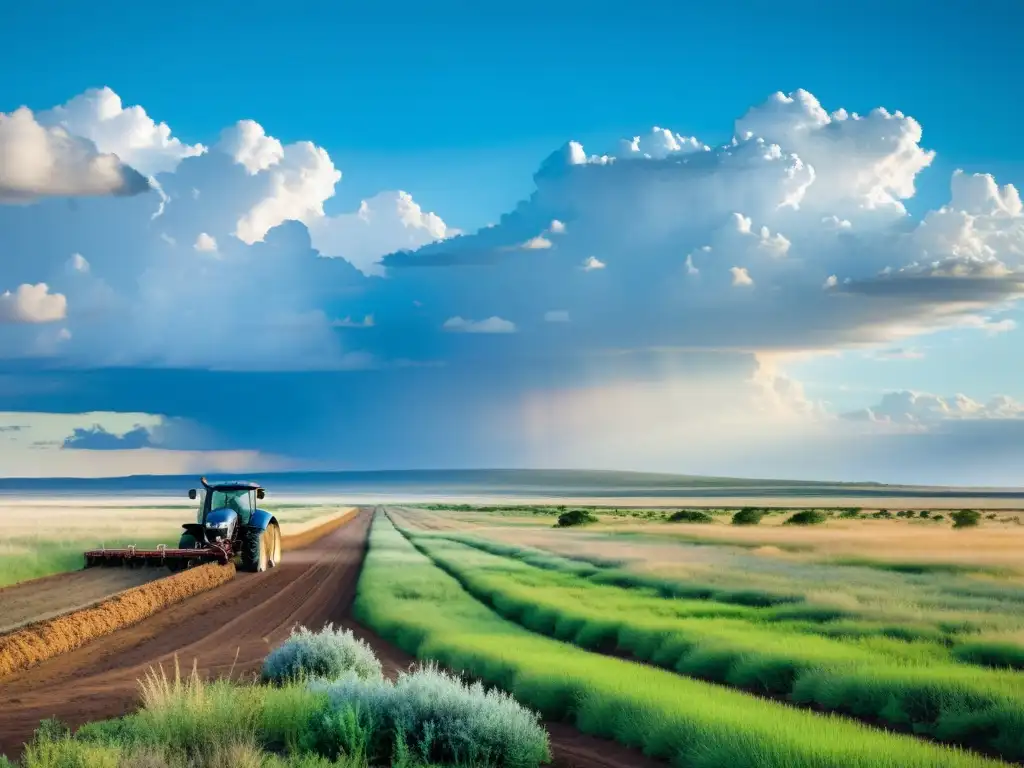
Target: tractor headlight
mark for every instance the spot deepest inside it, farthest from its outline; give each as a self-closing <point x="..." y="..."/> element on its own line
<point x="218" y="530"/>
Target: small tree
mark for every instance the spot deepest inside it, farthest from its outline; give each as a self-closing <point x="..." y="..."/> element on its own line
<point x="807" y="517"/>
<point x="966" y="518"/>
<point x="748" y="516"/>
<point x="575" y="517"/>
<point x="690" y="516"/>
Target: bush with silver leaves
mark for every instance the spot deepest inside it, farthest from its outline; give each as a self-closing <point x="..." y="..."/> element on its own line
<point x="433" y="717"/>
<point x="330" y="653"/>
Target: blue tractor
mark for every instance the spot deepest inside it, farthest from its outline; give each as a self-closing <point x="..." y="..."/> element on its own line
<point x="228" y="527"/>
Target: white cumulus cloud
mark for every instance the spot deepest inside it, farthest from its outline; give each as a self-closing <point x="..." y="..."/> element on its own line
<point x="248" y="145"/>
<point x="740" y="276"/>
<point x="490" y="325"/>
<point x="385" y="223"/>
<point x="537" y="243"/>
<point x="32" y="304"/>
<point x="205" y="243"/>
<point x="39" y="161"/>
<point x="128" y="132"/>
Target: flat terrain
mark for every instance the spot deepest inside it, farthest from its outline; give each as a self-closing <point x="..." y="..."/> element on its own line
<point x="227" y="633"/>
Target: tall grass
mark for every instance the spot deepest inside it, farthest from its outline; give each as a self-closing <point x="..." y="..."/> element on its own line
<point x="427" y="717"/>
<point x="914" y="686"/>
<point x="412" y="602"/>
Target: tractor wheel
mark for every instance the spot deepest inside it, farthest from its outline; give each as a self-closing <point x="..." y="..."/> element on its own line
<point x="256" y="549"/>
<point x="274" y="532"/>
<point x="187" y="541"/>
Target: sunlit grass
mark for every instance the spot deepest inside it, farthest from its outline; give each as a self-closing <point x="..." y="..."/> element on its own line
<point x="411" y="601"/>
<point x="914" y="684"/>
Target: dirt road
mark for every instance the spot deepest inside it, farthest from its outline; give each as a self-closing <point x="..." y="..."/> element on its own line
<point x="230" y="630"/>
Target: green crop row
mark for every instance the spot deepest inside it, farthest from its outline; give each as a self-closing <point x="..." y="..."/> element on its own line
<point x="794" y="610"/>
<point x="409" y="600"/>
<point x="910" y="686"/>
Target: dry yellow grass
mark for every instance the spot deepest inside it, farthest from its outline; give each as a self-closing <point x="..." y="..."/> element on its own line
<point x="300" y="536"/>
<point x="991" y="545"/>
<point x="38" y="642"/>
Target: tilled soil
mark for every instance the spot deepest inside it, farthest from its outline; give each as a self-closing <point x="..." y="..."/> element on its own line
<point x="44" y="598"/>
<point x="229" y="631"/>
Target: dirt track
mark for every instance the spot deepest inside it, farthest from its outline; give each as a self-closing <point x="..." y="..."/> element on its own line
<point x="230" y="630"/>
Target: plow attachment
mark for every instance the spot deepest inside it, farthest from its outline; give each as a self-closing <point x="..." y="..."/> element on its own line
<point x="175" y="559"/>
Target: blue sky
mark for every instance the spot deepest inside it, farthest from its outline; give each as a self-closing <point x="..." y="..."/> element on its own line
<point x="457" y="105"/>
<point x="435" y="97"/>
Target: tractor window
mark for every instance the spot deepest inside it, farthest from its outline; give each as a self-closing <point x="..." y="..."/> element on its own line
<point x="236" y="500"/>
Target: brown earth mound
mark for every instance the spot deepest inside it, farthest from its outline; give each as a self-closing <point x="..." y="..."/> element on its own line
<point x="46" y="639"/>
<point x="30" y="602"/>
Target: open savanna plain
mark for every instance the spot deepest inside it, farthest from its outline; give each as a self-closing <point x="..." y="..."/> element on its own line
<point x="491" y="636"/>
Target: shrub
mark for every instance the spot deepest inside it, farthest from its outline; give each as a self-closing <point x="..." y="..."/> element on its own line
<point x="328" y="653"/>
<point x="939" y="517"/>
<point x="991" y="516"/>
<point x="429" y="716"/>
<point x="748" y="516"/>
<point x="807" y="517"/>
<point x="966" y="518"/>
<point x="852" y="512"/>
<point x="576" y="517"/>
<point x="925" y="513"/>
<point x="690" y="516"/>
<point x="883" y="514"/>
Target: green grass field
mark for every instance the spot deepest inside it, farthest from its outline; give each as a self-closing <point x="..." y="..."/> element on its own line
<point x="410" y="600"/>
<point x="789" y="650"/>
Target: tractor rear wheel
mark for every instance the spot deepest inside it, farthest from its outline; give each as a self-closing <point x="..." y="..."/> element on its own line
<point x="275" y="545"/>
<point x="256" y="549"/>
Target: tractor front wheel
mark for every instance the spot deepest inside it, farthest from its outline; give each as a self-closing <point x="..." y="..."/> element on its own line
<point x="261" y="549"/>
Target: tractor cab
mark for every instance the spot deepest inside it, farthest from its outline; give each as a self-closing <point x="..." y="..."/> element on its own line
<point x="227" y="508"/>
<point x="240" y="497"/>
